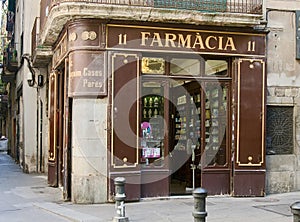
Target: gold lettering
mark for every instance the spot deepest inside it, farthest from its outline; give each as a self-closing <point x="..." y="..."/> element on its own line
<point x="207" y="42"/>
<point x="198" y="41"/>
<point x="122" y="39"/>
<point x="230" y="44"/>
<point x="75" y="74"/>
<point x="220" y="43"/>
<point x="156" y="39"/>
<point x="188" y="41"/>
<point x="184" y="42"/>
<point x="170" y="38"/>
<point x="145" y="36"/>
<point x="251" y="46"/>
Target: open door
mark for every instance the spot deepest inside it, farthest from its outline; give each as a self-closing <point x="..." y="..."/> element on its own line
<point x="67" y="155"/>
<point x="216" y="148"/>
<point x="55" y="155"/>
<point x="185" y="140"/>
<point x="52" y="155"/>
<point x="200" y="150"/>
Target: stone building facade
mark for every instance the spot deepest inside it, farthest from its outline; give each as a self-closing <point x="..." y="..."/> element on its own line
<point x="283" y="97"/>
<point x="156" y="95"/>
<point x="87" y="51"/>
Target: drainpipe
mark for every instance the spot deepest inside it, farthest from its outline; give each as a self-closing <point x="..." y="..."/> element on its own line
<point x="37" y="130"/>
<point x="41" y="134"/>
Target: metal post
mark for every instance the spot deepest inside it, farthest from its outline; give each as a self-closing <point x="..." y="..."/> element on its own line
<point x="295" y="208"/>
<point x="199" y="212"/>
<point x="120" y="199"/>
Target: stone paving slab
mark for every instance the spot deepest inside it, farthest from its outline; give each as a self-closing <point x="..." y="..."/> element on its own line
<point x="282" y="209"/>
<point x="66" y="213"/>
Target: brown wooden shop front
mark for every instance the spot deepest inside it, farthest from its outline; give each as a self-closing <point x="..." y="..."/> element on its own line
<point x="186" y="106"/>
<point x="198" y="119"/>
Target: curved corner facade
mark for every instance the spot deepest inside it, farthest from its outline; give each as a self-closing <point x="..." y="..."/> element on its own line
<point x="165" y="106"/>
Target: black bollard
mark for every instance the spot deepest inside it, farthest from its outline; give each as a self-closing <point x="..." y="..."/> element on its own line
<point x="295" y="208"/>
<point x="120" y="200"/>
<point x="199" y="213"/>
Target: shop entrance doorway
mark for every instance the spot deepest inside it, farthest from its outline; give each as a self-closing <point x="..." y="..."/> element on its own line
<point x="185" y="139"/>
<point x="188" y="116"/>
<point x="200" y="143"/>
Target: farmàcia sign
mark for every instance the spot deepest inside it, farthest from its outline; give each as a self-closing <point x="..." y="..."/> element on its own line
<point x="146" y="38"/>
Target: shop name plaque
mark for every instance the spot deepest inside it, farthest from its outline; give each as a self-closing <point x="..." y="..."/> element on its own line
<point x="185" y="40"/>
<point x="87" y="74"/>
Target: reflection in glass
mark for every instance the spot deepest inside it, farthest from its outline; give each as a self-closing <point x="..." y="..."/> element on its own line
<point x="215" y="124"/>
<point x="152" y="124"/>
<point x="185" y="67"/>
<point x="216" y="67"/>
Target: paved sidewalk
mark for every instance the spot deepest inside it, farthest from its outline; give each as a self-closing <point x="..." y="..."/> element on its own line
<point x="275" y="208"/>
<point x="25" y="197"/>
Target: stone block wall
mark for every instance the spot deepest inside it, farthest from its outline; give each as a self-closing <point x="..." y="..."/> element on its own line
<point x="89" y="151"/>
<point x="283" y="171"/>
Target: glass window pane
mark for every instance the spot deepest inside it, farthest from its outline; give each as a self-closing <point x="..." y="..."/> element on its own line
<point x="152" y="123"/>
<point x="216" y="68"/>
<point x="215" y="125"/>
<point x="185" y="67"/>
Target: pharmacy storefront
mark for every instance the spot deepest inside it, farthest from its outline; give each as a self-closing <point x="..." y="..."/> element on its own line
<point x="184" y="107"/>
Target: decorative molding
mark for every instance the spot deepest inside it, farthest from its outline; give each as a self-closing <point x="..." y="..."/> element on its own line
<point x="250" y="158"/>
<point x="125" y="159"/>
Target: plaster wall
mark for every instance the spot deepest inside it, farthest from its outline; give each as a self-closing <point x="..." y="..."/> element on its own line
<point x="283" y="68"/>
<point x="283" y="82"/>
<point x="89" y="150"/>
<point x="43" y="128"/>
<point x="31" y="10"/>
<point x="283" y="5"/>
<point x="26" y="12"/>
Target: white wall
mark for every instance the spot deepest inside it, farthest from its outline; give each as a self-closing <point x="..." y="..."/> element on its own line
<point x="26" y="12"/>
<point x="283" y="4"/>
<point x="283" y="68"/>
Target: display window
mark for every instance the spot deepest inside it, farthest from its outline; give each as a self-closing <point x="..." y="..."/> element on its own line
<point x="216" y="104"/>
<point x="152" y="123"/>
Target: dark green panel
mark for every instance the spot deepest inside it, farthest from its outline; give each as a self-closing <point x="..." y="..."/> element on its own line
<point x="200" y="5"/>
<point x="297" y="34"/>
<point x="11" y="5"/>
